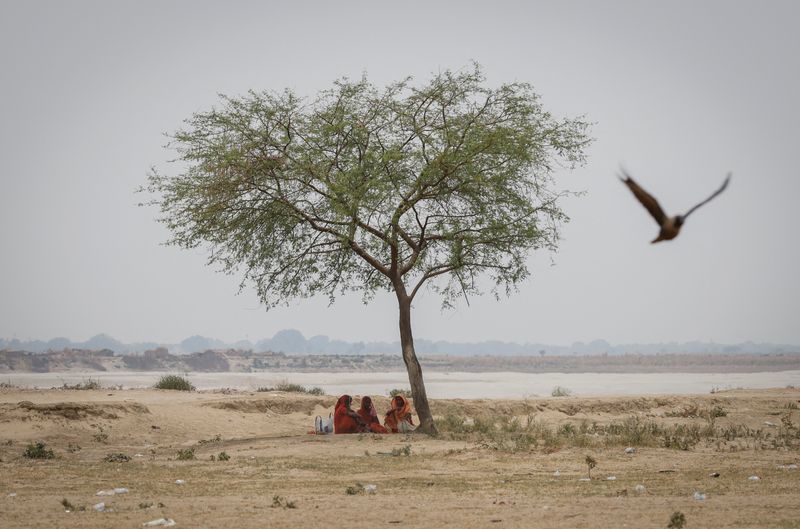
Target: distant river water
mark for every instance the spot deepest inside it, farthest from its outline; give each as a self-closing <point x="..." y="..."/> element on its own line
<point x="494" y="385"/>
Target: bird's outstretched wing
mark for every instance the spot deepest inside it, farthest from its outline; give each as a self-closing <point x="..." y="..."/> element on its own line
<point x="717" y="192"/>
<point x="647" y="200"/>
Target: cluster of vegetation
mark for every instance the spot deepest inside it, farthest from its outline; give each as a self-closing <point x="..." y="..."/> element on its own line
<point x="513" y="434"/>
<point x="185" y="454"/>
<point x="693" y="411"/>
<point x="402" y="392"/>
<point x="69" y="507"/>
<point x="117" y="457"/>
<point x="293" y="388"/>
<point x="222" y="456"/>
<point x="89" y="384"/>
<point x="559" y="391"/>
<point x="38" y="450"/>
<point x="175" y="382"/>
<point x="404" y="451"/>
<point x="280" y="501"/>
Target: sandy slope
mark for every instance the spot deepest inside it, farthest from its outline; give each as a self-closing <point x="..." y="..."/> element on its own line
<point x="451" y="481"/>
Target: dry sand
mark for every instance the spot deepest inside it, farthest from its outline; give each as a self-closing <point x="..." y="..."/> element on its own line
<point x="451" y="481"/>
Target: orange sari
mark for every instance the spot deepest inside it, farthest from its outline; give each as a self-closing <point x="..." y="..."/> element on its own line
<point x="400" y="413"/>
<point x="346" y="420"/>
<point x="370" y="416"/>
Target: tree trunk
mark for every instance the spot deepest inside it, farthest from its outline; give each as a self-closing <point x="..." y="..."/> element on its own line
<point x="412" y="364"/>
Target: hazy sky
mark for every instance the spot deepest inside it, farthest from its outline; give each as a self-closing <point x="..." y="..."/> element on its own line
<point x="680" y="93"/>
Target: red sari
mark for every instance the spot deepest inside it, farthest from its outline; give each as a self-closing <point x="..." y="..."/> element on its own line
<point x="370" y="416"/>
<point x="346" y="420"/>
<point x="400" y="413"/>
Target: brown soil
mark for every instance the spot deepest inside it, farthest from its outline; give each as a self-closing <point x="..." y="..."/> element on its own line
<point x="456" y="480"/>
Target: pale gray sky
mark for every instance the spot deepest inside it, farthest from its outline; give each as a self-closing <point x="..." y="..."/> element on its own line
<point x="681" y="93"/>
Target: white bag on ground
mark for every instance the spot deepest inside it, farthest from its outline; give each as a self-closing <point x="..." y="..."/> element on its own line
<point x="323" y="425"/>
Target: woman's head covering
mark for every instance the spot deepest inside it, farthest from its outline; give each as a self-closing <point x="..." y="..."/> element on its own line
<point x="367" y="406"/>
<point x="344" y="400"/>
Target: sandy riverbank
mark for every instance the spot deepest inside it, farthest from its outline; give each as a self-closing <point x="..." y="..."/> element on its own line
<point x="472" y="475"/>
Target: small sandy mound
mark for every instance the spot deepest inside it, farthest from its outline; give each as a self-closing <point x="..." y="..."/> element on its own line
<point x="68" y="410"/>
<point x="278" y="404"/>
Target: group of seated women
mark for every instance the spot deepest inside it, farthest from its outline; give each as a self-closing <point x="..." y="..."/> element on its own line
<point x="365" y="419"/>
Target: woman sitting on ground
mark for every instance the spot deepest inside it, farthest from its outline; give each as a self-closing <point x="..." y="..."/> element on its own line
<point x="345" y="420"/>
<point x="398" y="419"/>
<point x="370" y="416"/>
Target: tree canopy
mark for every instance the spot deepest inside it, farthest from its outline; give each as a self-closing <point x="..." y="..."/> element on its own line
<point x="362" y="186"/>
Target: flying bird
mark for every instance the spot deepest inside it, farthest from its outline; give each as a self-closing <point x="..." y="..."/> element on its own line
<point x="670" y="226"/>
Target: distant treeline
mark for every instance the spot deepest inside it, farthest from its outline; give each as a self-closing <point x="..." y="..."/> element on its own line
<point x="291" y="341"/>
<point x="247" y="361"/>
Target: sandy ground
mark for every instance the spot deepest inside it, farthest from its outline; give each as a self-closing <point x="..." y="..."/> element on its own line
<point x="459" y="481"/>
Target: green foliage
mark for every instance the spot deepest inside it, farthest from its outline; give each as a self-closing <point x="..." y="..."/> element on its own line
<point x="85" y="385"/>
<point x="68" y="506"/>
<point x="185" y="454"/>
<point x="293" y="388"/>
<point x="117" y="457"/>
<point x="223" y="456"/>
<point x="38" y="450"/>
<point x="175" y="382"/>
<point x="402" y="392"/>
<point x="677" y="520"/>
<point x="559" y="391"/>
<point x="363" y="187"/>
<point x="404" y="451"/>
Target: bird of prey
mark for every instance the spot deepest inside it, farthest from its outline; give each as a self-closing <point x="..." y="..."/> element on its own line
<point x="670" y="226"/>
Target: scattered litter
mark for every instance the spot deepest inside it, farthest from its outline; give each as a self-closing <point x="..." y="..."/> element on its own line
<point x="100" y="507"/>
<point x="118" y="490"/>
<point x="166" y="522"/>
<point x="12" y="495"/>
<point x="370" y="489"/>
<point x="180" y="482"/>
<point x="611" y="478"/>
<point x="557" y="473"/>
<point x="714" y="475"/>
<point x="788" y="467"/>
<point x="585" y="479"/>
<point x="699" y="496"/>
<point x="640" y="489"/>
<point x="754" y="478"/>
<point x="630" y="450"/>
<point x="138" y="455"/>
<point x="770" y="424"/>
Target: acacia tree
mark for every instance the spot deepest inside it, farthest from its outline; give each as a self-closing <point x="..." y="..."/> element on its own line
<point x="367" y="189"/>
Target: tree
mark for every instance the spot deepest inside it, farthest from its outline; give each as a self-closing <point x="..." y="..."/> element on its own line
<point x="367" y="189"/>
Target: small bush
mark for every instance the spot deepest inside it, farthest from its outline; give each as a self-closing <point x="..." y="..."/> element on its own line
<point x="677" y="520"/>
<point x="405" y="451"/>
<point x="352" y="490"/>
<point x="223" y="456"/>
<point x="559" y="391"/>
<point x="280" y="501"/>
<point x="293" y="388"/>
<point x="186" y="454"/>
<point x="174" y="382"/>
<point x="145" y="505"/>
<point x="67" y="505"/>
<point x="402" y="392"/>
<point x="117" y="458"/>
<point x="85" y="385"/>
<point x="38" y="450"/>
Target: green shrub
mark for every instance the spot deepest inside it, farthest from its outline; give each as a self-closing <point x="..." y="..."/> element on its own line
<point x="85" y="385"/>
<point x="402" y="392"/>
<point x="559" y="391"/>
<point x="174" y="382"/>
<point x="186" y="454"/>
<point x="293" y="388"/>
<point x="223" y="456"/>
<point x="38" y="450"/>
